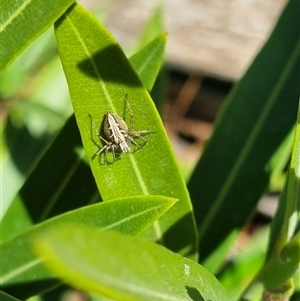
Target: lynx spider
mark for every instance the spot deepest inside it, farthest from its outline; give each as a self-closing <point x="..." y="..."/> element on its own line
<point x="118" y="135"/>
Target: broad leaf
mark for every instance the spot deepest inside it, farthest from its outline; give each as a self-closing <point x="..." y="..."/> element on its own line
<point x="23" y="21"/>
<point x="129" y="216"/>
<point x="100" y="78"/>
<point x="136" y="271"/>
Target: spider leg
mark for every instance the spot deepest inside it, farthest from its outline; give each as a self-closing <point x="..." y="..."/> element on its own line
<point x="106" y="142"/>
<point x="135" y="143"/>
<point x="99" y="151"/>
<point x="105" y="154"/>
<point x="113" y="151"/>
<point x="139" y="134"/>
<point x="107" y="145"/>
<point x="112" y="147"/>
<point x="93" y="125"/>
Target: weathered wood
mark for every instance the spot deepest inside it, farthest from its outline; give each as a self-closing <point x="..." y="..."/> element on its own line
<point x="213" y="37"/>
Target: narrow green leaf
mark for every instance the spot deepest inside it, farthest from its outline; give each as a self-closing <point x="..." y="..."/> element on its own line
<point x="67" y="176"/>
<point x="147" y="62"/>
<point x="129" y="216"/>
<point x="279" y="162"/>
<point x="59" y="185"/>
<point x="65" y="170"/>
<point x="214" y="263"/>
<point x="153" y="27"/>
<point x="237" y="275"/>
<point x="27" y="63"/>
<point x="293" y="188"/>
<point x="287" y="215"/>
<point x="6" y="297"/>
<point x="283" y="256"/>
<point x="234" y="169"/>
<point x="99" y="78"/>
<point x="136" y="271"/>
<point x="23" y="21"/>
<point x="15" y="220"/>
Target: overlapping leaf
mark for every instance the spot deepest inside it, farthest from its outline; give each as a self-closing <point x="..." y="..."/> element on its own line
<point x="68" y="177"/>
<point x="23" y="21"/>
<point x="125" y="268"/>
<point x="21" y="267"/>
<point x="100" y="78"/>
<point x="234" y="169"/>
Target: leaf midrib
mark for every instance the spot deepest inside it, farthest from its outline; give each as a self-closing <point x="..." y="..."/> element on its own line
<point x="134" y="164"/>
<point x="20" y="270"/>
<point x="143" y="66"/>
<point x="16" y="13"/>
<point x="34" y="262"/>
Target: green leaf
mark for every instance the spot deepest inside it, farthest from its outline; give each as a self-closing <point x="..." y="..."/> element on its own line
<point x="15" y="220"/>
<point x="286" y="218"/>
<point x="279" y="162"/>
<point x="283" y="257"/>
<point x="147" y="61"/>
<point x="61" y="183"/>
<point x="137" y="270"/>
<point x="293" y="188"/>
<point x="130" y="216"/>
<point x="6" y="297"/>
<point x="234" y="169"/>
<point x="237" y="275"/>
<point x="214" y="263"/>
<point x="23" y="21"/>
<point x="68" y="177"/>
<point x="153" y="27"/>
<point x="99" y="78"/>
<point x="27" y="64"/>
<point x="279" y="270"/>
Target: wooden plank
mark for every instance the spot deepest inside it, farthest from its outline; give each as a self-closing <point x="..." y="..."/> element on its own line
<point x="212" y="37"/>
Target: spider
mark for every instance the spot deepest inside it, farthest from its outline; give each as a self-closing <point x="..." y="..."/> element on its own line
<point x="118" y="136"/>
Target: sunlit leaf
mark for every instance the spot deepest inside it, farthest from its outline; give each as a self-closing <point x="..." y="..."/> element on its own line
<point x="125" y="268"/>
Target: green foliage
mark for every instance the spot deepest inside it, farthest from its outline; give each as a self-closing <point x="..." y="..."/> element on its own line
<point x="146" y="68"/>
<point x="7" y="297"/>
<point x="96" y="87"/>
<point x="57" y="211"/>
<point x="147" y="271"/>
<point x="258" y="115"/>
<point x="19" y="28"/>
<point x="130" y="216"/>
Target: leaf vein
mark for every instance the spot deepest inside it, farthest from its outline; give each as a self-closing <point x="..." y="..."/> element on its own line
<point x="16" y="13"/>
